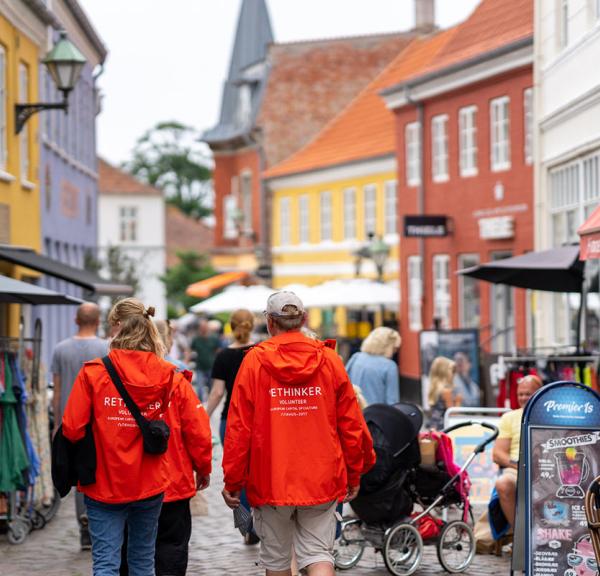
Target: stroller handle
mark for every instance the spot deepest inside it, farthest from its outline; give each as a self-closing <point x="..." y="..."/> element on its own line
<point x="480" y="447"/>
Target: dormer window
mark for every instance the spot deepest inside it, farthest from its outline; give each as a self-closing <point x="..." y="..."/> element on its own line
<point x="244" y="107"/>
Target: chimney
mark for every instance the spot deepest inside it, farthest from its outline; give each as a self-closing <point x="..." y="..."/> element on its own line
<point x="425" y="15"/>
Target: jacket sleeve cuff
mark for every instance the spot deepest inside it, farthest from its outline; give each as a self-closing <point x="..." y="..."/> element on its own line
<point x="353" y="479"/>
<point x="233" y="487"/>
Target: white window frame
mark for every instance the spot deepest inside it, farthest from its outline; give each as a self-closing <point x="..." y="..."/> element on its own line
<point x="349" y="196"/>
<point x="230" y="207"/>
<point x="467" y="136"/>
<point x="500" y="134"/>
<point x="3" y="115"/>
<point x="24" y="140"/>
<point x="325" y="212"/>
<point x="284" y="221"/>
<point x="528" y="125"/>
<point x="304" y="219"/>
<point x="442" y="295"/>
<point x="412" y="136"/>
<point x="466" y="261"/>
<point x="391" y="207"/>
<point x="128" y="223"/>
<point x="246" y="200"/>
<point x="439" y="148"/>
<point x="370" y="210"/>
<point x="414" y="267"/>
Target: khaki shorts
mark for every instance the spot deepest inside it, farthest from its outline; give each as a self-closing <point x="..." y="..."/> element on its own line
<point x="309" y="529"/>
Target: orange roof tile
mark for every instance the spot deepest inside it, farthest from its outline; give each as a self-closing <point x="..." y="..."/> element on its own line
<point x="365" y="129"/>
<point x="114" y="181"/>
<point x="492" y="25"/>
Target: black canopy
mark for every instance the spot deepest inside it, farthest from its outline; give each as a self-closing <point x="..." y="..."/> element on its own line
<point x="16" y="292"/>
<point x="555" y="270"/>
<point x="88" y="280"/>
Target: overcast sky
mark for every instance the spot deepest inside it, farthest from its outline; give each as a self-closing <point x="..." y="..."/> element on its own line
<point x="168" y="58"/>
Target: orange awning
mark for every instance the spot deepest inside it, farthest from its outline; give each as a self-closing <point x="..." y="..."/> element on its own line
<point x="589" y="245"/>
<point x="205" y="288"/>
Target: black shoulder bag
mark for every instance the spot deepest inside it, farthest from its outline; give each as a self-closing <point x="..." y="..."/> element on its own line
<point x="155" y="433"/>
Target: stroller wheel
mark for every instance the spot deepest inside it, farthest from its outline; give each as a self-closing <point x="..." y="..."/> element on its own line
<point x="456" y="546"/>
<point x="349" y="547"/>
<point x="402" y="549"/>
<point x="17" y="531"/>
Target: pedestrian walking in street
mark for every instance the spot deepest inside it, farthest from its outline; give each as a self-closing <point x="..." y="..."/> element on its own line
<point x="204" y="347"/>
<point x="132" y="475"/>
<point x="295" y="440"/>
<point x="189" y="452"/>
<point x="373" y="370"/>
<point x="442" y="394"/>
<point x="224" y="371"/>
<point x="67" y="360"/>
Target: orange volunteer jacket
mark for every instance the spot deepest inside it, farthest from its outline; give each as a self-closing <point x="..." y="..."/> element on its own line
<point x="124" y="472"/>
<point x="190" y="442"/>
<point x="295" y="434"/>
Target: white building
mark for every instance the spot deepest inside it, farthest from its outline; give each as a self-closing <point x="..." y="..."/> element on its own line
<point x="567" y="77"/>
<point x="131" y="216"/>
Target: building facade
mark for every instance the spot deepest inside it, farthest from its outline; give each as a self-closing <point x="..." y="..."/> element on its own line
<point x="276" y="99"/>
<point x="464" y="131"/>
<point x="131" y="219"/>
<point x="567" y="52"/>
<point x="22" y="43"/>
<point x="68" y="171"/>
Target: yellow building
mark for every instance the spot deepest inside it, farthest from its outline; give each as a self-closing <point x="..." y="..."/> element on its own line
<point x="22" y="44"/>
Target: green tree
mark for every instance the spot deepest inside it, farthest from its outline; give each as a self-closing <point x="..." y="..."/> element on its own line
<point x="192" y="267"/>
<point x="120" y="267"/>
<point x="171" y="157"/>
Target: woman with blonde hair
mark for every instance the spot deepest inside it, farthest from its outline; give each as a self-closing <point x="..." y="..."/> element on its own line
<point x="224" y="371"/>
<point x="373" y="370"/>
<point x="441" y="390"/>
<point x="130" y="482"/>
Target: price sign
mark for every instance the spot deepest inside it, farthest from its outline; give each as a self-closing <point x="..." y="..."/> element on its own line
<point x="561" y="430"/>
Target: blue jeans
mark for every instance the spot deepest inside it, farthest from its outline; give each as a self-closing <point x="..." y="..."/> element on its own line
<point x="107" y="523"/>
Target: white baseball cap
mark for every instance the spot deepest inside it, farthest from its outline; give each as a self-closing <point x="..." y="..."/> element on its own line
<point x="278" y="301"/>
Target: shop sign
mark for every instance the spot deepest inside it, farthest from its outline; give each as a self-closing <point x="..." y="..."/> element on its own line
<point x="561" y="428"/>
<point x="425" y="226"/>
<point x="590" y="247"/>
<point x="497" y="228"/>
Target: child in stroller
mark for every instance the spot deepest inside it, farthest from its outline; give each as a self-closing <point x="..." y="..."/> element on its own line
<point x="398" y="482"/>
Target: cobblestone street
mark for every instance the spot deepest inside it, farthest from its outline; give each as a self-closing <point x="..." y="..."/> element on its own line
<point x="216" y="548"/>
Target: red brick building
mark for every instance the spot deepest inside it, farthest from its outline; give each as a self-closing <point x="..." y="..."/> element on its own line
<point x="464" y="126"/>
<point x="276" y="99"/>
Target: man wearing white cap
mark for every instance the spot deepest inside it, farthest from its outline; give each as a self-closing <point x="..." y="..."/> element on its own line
<point x="296" y="440"/>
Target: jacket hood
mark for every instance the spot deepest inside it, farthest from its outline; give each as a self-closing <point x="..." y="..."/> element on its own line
<point x="143" y="370"/>
<point x="290" y="358"/>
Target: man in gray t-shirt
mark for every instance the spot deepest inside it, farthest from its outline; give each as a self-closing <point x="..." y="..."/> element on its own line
<point x="68" y="358"/>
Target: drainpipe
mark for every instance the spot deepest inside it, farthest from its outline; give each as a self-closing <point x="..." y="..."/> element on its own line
<point x="264" y="244"/>
<point x="418" y="104"/>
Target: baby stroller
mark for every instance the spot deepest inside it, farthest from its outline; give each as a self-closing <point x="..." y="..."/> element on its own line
<point x="395" y="485"/>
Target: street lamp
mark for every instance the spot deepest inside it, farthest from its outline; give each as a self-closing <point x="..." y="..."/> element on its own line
<point x="377" y="251"/>
<point x="379" y="254"/>
<point x="64" y="63"/>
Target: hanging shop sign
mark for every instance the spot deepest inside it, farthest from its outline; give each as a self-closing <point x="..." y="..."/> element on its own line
<point x="425" y="226"/>
<point x="561" y="430"/>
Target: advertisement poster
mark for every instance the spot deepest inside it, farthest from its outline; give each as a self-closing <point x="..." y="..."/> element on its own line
<point x="560" y="459"/>
<point x="563" y="466"/>
<point x="448" y="343"/>
<point x="483" y="471"/>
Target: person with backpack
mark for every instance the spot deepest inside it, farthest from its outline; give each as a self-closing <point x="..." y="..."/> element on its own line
<point x="136" y="404"/>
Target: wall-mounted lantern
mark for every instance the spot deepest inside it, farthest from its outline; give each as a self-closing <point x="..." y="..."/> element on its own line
<point x="64" y="63"/>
